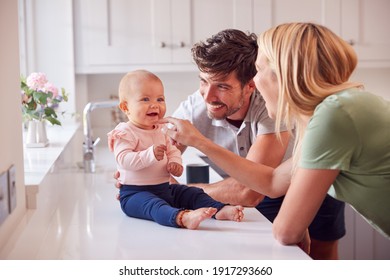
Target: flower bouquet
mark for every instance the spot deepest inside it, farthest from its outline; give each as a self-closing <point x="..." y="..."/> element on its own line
<point x="40" y="99"/>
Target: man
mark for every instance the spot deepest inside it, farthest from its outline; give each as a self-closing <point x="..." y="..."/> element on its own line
<point x="228" y="109"/>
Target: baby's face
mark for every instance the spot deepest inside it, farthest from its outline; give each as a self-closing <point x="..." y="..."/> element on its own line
<point x="146" y="104"/>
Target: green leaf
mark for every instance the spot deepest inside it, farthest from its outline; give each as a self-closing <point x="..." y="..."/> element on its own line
<point x="49" y="112"/>
<point x="64" y="94"/>
<point x="53" y="121"/>
<point x="32" y="106"/>
<point x="41" y="97"/>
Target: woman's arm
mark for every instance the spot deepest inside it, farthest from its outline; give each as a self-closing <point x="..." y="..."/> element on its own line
<point x="303" y="199"/>
<point x="267" y="150"/>
<point x="261" y="178"/>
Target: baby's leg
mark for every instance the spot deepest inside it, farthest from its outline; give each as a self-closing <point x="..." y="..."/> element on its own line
<point x="191" y="219"/>
<point x="230" y="212"/>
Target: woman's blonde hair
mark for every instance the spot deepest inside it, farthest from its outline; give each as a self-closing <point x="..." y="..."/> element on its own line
<point x="310" y="62"/>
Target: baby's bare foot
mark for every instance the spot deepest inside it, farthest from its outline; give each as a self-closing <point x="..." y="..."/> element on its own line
<point x="230" y="212"/>
<point x="192" y="219"/>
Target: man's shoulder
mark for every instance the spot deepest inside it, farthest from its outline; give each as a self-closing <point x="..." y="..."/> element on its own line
<point x="257" y="100"/>
<point x="193" y="107"/>
<point x="257" y="108"/>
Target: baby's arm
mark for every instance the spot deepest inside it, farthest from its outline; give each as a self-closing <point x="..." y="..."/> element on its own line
<point x="174" y="168"/>
<point x="159" y="151"/>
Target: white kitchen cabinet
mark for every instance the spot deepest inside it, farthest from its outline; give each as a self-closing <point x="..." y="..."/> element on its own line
<point x="116" y="35"/>
<point x="362" y="242"/>
<point x="362" y="23"/>
<point x="113" y="33"/>
<point x="325" y="12"/>
<point x="365" y="24"/>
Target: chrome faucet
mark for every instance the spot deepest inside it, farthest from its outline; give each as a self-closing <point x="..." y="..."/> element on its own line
<point x="89" y="144"/>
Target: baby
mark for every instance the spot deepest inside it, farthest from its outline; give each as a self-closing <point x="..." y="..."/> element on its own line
<point x="146" y="159"/>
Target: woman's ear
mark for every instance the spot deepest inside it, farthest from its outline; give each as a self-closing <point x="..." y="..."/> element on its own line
<point x="123" y="106"/>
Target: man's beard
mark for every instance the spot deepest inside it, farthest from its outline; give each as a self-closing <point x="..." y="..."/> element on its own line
<point x="229" y="112"/>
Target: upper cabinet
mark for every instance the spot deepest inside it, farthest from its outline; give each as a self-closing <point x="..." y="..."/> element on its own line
<point x="118" y="35"/>
<point x="365" y="24"/>
<point x="362" y="23"/>
<point x="325" y="12"/>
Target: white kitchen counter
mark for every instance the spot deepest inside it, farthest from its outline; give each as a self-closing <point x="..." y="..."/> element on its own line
<point x="78" y="218"/>
<point x="250" y="239"/>
<point x="39" y="161"/>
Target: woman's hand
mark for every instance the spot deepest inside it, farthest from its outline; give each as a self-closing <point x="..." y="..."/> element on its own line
<point x="183" y="132"/>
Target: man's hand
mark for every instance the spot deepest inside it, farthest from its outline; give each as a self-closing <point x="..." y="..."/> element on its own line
<point x="232" y="192"/>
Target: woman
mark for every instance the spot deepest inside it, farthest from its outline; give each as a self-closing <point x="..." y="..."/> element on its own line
<point x="343" y="133"/>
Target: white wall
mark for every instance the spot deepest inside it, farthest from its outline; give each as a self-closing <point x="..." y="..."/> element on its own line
<point x="49" y="44"/>
<point x="376" y="80"/>
<point x="10" y="114"/>
<point x="48" y="48"/>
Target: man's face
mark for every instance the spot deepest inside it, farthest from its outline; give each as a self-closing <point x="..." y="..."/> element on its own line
<point x="224" y="96"/>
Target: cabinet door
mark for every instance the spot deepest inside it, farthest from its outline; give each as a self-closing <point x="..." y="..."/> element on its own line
<point x="273" y="12"/>
<point x="361" y="241"/>
<point x="181" y="31"/>
<point x="365" y="23"/>
<point x="114" y="35"/>
<point x="120" y="32"/>
<point x="212" y="16"/>
<point x="196" y="20"/>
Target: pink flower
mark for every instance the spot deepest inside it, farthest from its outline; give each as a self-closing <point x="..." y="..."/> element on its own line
<point x="25" y="98"/>
<point x="38" y="95"/>
<point x="49" y="87"/>
<point x="36" y="81"/>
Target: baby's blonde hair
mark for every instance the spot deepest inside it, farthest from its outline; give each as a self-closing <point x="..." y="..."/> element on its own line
<point x="310" y="62"/>
<point x="127" y="83"/>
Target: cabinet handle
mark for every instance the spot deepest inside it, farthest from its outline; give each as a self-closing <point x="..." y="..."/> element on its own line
<point x="163" y="45"/>
<point x="182" y="44"/>
<point x="351" y="42"/>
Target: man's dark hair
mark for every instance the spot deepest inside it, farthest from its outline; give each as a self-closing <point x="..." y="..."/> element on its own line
<point x="228" y="51"/>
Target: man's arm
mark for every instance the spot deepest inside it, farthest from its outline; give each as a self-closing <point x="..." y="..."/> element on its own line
<point x="228" y="190"/>
<point x="232" y="192"/>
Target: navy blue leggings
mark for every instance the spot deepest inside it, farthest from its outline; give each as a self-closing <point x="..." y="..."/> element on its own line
<point x="161" y="203"/>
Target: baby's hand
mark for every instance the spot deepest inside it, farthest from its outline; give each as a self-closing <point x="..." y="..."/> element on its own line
<point x="175" y="168"/>
<point x="159" y="151"/>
